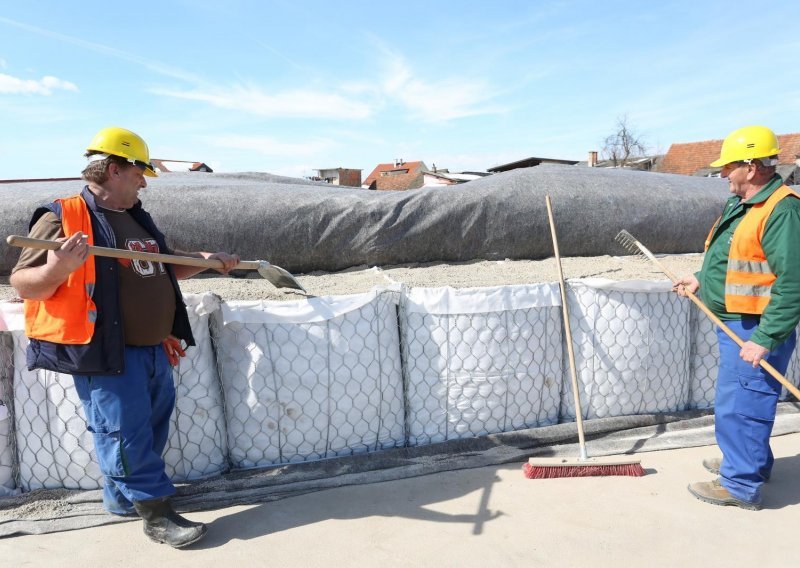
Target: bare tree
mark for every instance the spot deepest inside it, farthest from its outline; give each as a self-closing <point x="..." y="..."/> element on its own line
<point x="624" y="144"/>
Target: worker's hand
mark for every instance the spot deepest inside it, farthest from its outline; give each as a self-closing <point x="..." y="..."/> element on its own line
<point x="753" y="353"/>
<point x="689" y="283"/>
<point x="228" y="260"/>
<point x="73" y="253"/>
<point x="174" y="350"/>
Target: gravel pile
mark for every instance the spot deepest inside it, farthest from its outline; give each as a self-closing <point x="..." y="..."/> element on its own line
<point x="250" y="286"/>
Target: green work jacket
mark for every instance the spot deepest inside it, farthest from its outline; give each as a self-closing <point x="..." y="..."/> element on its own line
<point x="781" y="244"/>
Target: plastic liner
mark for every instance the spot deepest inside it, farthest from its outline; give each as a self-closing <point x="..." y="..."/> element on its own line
<point x="304" y="226"/>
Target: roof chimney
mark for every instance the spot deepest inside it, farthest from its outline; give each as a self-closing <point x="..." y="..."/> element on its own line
<point x="592" y="158"/>
<point x="398" y="162"/>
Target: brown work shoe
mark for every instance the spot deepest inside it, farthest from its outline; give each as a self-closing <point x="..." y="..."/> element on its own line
<point x="712" y="465"/>
<point x="713" y="492"/>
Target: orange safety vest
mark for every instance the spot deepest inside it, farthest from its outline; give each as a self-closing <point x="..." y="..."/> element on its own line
<point x="68" y="316"/>
<point x="749" y="279"/>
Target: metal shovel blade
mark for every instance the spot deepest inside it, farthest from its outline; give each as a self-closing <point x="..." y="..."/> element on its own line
<point x="277" y="276"/>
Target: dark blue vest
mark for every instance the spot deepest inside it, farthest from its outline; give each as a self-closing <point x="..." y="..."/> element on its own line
<point x="105" y="353"/>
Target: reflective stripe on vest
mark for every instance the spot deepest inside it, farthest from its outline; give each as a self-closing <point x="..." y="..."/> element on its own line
<point x="749" y="279"/>
<point x="69" y="315"/>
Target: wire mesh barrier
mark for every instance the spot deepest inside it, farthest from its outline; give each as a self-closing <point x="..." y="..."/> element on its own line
<point x="480" y="361"/>
<point x="304" y="386"/>
<point x="284" y="382"/>
<point x="197" y="446"/>
<point x="632" y="345"/>
<point x="8" y="464"/>
<point x="703" y="361"/>
<point x="53" y="448"/>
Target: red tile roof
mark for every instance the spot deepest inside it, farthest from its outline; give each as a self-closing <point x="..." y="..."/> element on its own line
<point x="165" y="165"/>
<point x="383" y="179"/>
<point x="687" y="158"/>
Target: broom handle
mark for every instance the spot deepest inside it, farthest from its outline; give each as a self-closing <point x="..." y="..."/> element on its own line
<point x="732" y="334"/>
<point x="572" y="372"/>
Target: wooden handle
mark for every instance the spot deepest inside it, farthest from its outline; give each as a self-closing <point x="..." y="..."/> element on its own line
<point x="568" y="331"/>
<point x="728" y="331"/>
<point x="43" y="244"/>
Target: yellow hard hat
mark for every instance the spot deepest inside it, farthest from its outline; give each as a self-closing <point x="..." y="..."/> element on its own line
<point x="748" y="143"/>
<point x="116" y="141"/>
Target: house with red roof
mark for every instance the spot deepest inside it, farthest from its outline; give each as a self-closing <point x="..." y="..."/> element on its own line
<point x="693" y="158"/>
<point x="397" y="175"/>
<point x="162" y="166"/>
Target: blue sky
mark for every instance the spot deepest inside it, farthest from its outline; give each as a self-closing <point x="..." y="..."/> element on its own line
<point x="290" y="86"/>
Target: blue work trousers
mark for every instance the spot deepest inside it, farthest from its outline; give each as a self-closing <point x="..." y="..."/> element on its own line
<point x="129" y="417"/>
<point x="744" y="412"/>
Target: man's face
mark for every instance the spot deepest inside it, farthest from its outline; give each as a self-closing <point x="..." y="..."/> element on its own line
<point x="738" y="179"/>
<point x="127" y="183"/>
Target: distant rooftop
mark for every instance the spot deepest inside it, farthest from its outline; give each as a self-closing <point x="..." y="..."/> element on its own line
<point x="691" y="157"/>
<point x="179" y="166"/>
<point x="529" y="162"/>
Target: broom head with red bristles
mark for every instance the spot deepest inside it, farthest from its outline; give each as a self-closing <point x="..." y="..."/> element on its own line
<point x="548" y="468"/>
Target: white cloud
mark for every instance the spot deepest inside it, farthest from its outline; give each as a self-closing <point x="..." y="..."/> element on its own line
<point x="3" y="63"/>
<point x="293" y="104"/>
<point x="442" y="100"/>
<point x="44" y="86"/>
<point x="269" y="146"/>
<point x="436" y="101"/>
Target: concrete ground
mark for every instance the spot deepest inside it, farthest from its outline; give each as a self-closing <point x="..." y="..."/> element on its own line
<point x="487" y="517"/>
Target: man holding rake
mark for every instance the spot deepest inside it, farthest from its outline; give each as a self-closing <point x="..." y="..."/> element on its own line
<point x="750" y="279"/>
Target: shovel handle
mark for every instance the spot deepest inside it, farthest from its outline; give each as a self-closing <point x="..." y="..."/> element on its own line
<point x="44" y="244"/>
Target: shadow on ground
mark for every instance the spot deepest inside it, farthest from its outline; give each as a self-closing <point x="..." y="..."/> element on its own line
<point x="402" y="498"/>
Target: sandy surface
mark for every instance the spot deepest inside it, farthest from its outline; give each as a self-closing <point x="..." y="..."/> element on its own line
<point x="250" y="286"/>
<point x="486" y="517"/>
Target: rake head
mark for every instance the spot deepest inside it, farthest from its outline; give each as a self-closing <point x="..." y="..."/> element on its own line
<point x="626" y="239"/>
<point x="631" y="244"/>
<point x="638" y="249"/>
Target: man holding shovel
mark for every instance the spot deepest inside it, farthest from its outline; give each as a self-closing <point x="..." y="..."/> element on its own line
<point x="115" y="325"/>
<point x="750" y="280"/>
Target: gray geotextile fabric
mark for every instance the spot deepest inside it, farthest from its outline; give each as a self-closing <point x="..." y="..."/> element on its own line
<point x="304" y="226"/>
<point x="46" y="511"/>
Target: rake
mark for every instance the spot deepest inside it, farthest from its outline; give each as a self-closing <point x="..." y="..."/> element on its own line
<point x="629" y="242"/>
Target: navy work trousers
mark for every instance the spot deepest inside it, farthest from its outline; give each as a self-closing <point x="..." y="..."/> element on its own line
<point x="744" y="412"/>
<point x="129" y="417"/>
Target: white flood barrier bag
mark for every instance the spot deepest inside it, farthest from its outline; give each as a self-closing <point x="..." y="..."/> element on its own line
<point x="54" y="447"/>
<point x="481" y="360"/>
<point x="793" y="371"/>
<point x="7" y="485"/>
<point x="632" y="344"/>
<point x="704" y="362"/>
<point x="56" y="450"/>
<point x="198" y="445"/>
<point x="311" y="379"/>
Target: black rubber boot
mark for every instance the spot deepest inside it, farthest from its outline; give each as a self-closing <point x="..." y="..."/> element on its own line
<point x="163" y="524"/>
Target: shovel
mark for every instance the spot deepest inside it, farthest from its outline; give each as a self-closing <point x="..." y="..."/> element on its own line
<point x="276" y="275"/>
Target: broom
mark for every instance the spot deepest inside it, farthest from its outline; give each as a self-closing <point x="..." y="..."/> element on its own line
<point x="629" y="242"/>
<point x="544" y="468"/>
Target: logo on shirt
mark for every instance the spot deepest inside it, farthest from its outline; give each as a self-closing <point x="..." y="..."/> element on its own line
<point x="144" y="268"/>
